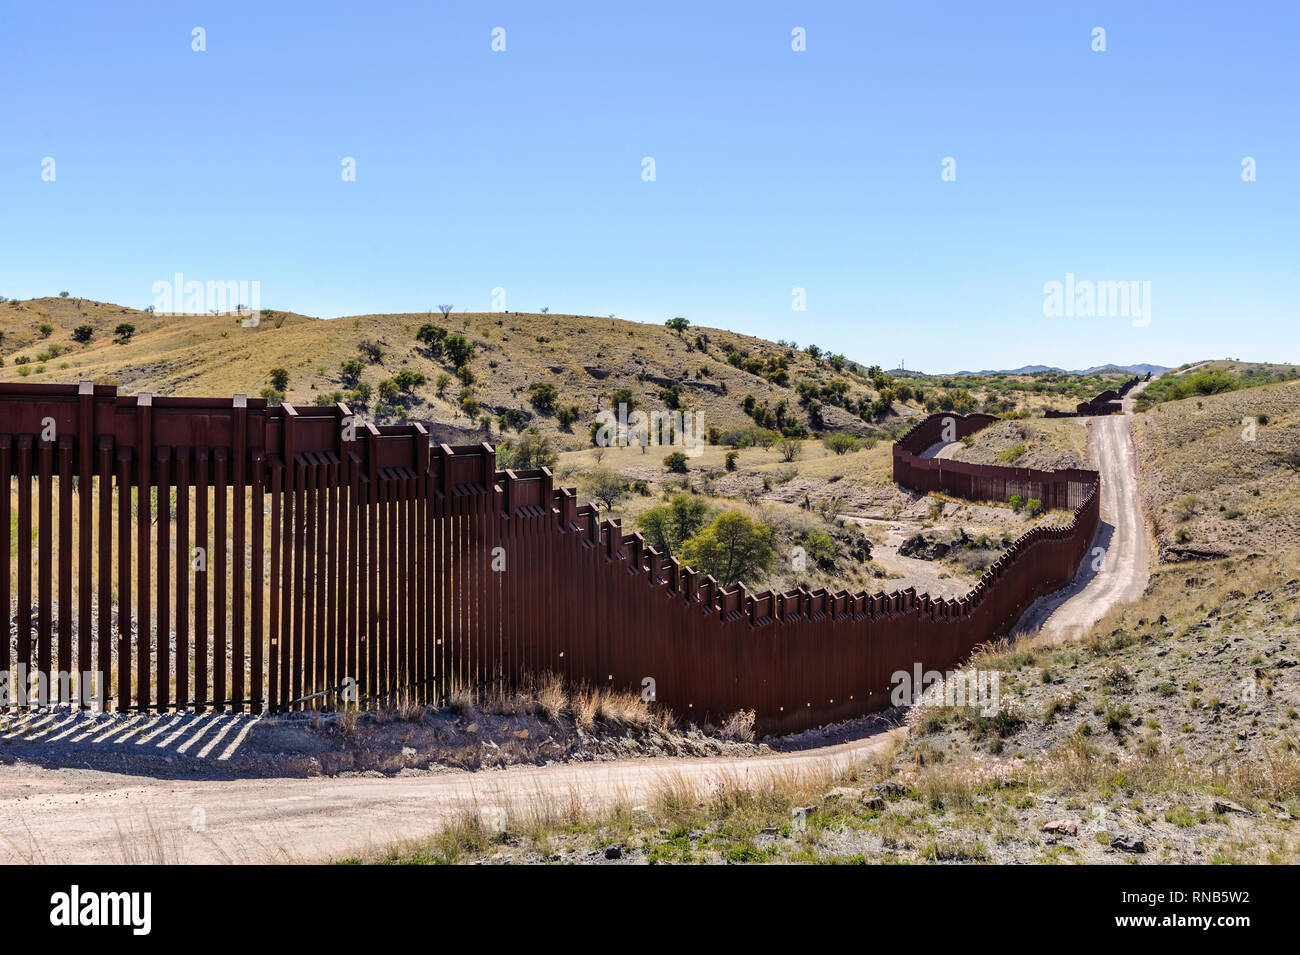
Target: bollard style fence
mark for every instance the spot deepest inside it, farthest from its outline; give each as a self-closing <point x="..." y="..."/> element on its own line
<point x="1066" y="489"/>
<point x="1107" y="402"/>
<point x="194" y="553"/>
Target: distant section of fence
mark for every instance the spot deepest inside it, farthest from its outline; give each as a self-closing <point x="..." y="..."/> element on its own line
<point x="1065" y="489"/>
<point x="221" y="554"/>
<point x="1105" y="403"/>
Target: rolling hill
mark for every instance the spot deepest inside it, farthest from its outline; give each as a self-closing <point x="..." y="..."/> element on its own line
<point x="587" y="360"/>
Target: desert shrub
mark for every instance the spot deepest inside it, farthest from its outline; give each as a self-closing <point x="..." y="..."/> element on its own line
<point x="841" y="442"/>
<point x="542" y="395"/>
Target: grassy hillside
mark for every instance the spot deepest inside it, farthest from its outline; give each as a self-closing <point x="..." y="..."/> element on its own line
<point x="1221" y="473"/>
<point x="587" y="360"/>
<point x="1212" y="378"/>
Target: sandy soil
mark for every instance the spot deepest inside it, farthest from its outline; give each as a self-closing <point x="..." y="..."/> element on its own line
<point x="91" y="816"/>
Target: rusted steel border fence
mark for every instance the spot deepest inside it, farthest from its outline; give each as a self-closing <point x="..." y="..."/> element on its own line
<point x="1107" y="402"/>
<point x="204" y="553"/>
<point x="1065" y="489"/>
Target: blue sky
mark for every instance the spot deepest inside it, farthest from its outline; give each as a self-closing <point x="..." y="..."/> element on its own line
<point x="775" y="169"/>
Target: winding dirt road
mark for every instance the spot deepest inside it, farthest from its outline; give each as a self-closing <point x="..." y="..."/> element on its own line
<point x="90" y="816"/>
<point x="1119" y="567"/>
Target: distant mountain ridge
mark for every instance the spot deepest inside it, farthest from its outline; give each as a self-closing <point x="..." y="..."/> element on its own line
<point x="1137" y="369"/>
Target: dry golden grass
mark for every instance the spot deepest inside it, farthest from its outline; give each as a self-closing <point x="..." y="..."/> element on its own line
<point x="733" y="802"/>
<point x="213" y="355"/>
<point x="1213" y="481"/>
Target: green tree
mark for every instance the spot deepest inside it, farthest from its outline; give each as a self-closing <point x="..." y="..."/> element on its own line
<point x="83" y="333"/>
<point x="542" y="394"/>
<point x="605" y="486"/>
<point x="279" y="378"/>
<point x="361" y="394"/>
<point x="442" y="382"/>
<point x="789" y="449"/>
<point x="622" y="397"/>
<point x="668" y="526"/>
<point x="732" y="547"/>
<point x="821" y="547"/>
<point x="459" y="350"/>
<point x="676" y="462"/>
<point x="407" y="381"/>
<point x="567" y="416"/>
<point x="389" y="391"/>
<point x="841" y="442"/>
<point x="678" y="324"/>
<point x="433" y="337"/>
<point x="350" y="371"/>
<point x="534" y="450"/>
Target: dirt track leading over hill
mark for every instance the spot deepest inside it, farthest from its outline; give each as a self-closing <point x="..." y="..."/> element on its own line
<point x="1125" y="565"/>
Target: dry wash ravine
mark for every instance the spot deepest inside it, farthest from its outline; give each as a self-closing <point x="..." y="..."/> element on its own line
<point x="90" y="816"/>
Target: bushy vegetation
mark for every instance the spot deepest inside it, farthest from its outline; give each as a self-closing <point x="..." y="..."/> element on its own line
<point x="1211" y="381"/>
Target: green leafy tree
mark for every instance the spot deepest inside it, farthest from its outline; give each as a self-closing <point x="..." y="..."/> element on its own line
<point x="622" y="397"/>
<point x="841" y="442"/>
<point x="678" y="324"/>
<point x="605" y="486"/>
<point x="676" y="462"/>
<point x="432" y="337"/>
<point x="361" y="394"/>
<point x="534" y="450"/>
<point x="279" y="378"/>
<point x="407" y="381"/>
<point x="350" y="371"/>
<point x="821" y="548"/>
<point x="458" y="349"/>
<point x="83" y="333"/>
<point x="542" y="394"/>
<point x="733" y="547"/>
<point x="668" y="526"/>
<point x="567" y="416"/>
<point x="442" y="382"/>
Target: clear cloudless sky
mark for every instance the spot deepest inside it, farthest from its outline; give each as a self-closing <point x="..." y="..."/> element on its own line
<point x="775" y="169"/>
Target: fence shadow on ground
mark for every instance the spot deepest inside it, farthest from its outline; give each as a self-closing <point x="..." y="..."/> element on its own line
<point x="193" y="745"/>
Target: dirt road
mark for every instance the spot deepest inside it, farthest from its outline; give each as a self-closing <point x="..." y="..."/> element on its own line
<point x="1121" y="549"/>
<point x="90" y="817"/>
